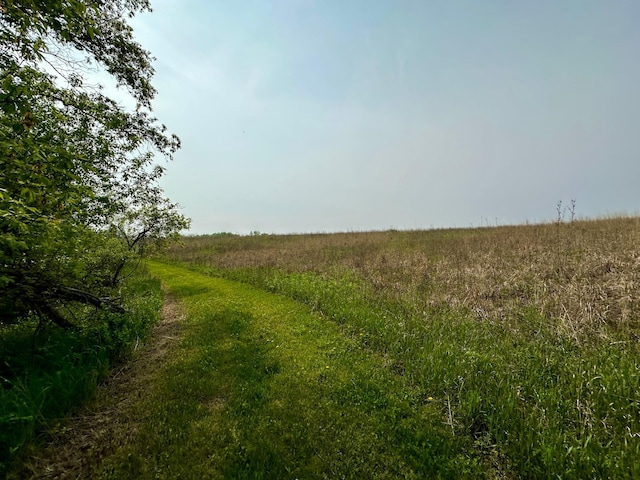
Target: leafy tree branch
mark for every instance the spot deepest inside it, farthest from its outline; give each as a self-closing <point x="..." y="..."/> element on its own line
<point x="79" y="194"/>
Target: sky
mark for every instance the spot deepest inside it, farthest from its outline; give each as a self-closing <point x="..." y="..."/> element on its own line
<point x="301" y="116"/>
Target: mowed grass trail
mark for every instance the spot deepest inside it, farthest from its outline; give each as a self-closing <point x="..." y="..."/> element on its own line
<point x="258" y="386"/>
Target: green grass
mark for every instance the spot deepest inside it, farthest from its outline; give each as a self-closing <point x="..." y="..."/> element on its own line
<point x="47" y="373"/>
<point x="537" y="404"/>
<point x="260" y="387"/>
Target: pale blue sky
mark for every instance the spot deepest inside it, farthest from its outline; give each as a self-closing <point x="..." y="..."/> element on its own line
<point x="320" y="116"/>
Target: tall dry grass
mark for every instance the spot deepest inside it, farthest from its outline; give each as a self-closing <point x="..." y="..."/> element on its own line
<point x="583" y="276"/>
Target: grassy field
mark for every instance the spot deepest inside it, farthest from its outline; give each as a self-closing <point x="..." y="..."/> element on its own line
<point x="260" y="387"/>
<point x="526" y="337"/>
<point x="507" y="352"/>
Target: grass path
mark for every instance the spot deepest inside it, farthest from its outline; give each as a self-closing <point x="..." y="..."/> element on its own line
<point x="259" y="387"/>
<point x="240" y="383"/>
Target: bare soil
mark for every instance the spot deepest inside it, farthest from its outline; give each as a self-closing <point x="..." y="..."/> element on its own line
<point x="77" y="445"/>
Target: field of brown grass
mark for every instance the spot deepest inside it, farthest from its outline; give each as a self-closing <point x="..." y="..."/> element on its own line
<point x="583" y="276"/>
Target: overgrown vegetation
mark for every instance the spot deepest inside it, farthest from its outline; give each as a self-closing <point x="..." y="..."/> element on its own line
<point x="525" y="336"/>
<point x="80" y="203"/>
<point x="46" y="373"/>
<point x="583" y="275"/>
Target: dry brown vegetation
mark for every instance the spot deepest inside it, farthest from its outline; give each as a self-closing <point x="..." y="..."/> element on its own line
<point x="582" y="275"/>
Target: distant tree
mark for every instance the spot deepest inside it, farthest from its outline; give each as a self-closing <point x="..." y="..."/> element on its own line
<point x="78" y="180"/>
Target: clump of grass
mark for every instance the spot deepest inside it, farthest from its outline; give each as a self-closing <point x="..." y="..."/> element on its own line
<point x="47" y="372"/>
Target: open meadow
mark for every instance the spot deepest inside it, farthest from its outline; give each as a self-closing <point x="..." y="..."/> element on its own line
<point x="503" y="352"/>
<point x="130" y="349"/>
<point x="525" y="337"/>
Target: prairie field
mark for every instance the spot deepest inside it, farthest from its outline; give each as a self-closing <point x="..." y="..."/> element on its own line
<point x="581" y="276"/>
<point x="525" y="337"/>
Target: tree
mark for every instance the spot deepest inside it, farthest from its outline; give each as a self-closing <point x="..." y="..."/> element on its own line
<point x="77" y="171"/>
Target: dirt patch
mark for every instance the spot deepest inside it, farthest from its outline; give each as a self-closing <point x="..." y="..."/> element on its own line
<point x="75" y="447"/>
